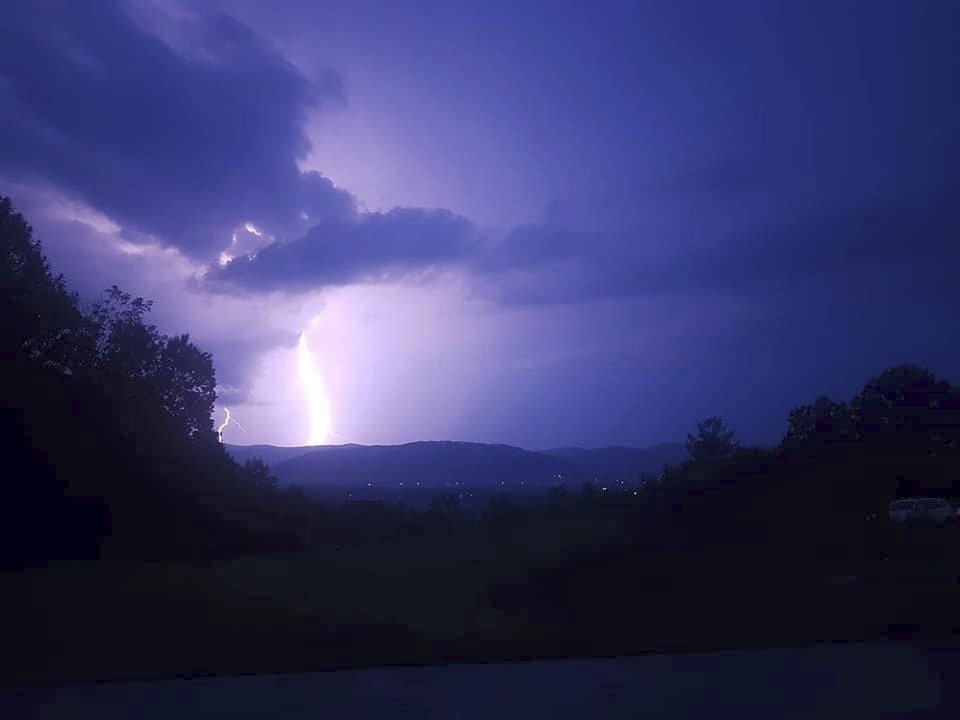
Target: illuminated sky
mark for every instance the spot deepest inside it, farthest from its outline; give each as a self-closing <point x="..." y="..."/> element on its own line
<point x="535" y="223"/>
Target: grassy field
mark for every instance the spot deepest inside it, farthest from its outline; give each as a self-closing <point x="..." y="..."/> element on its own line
<point x="455" y="596"/>
<point x="401" y="600"/>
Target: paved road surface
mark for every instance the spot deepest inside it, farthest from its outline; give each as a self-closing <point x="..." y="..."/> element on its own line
<point x="842" y="681"/>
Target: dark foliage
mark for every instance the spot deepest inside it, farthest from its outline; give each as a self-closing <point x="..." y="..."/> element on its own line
<point x="109" y="436"/>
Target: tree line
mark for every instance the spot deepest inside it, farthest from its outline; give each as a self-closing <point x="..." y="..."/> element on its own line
<point x="111" y="449"/>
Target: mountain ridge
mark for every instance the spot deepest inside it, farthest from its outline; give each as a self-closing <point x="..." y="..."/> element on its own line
<point x="436" y="463"/>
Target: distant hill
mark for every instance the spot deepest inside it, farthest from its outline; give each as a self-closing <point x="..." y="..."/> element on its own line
<point x="621" y="462"/>
<point x="271" y="454"/>
<point x="432" y="464"/>
<point x="435" y="463"/>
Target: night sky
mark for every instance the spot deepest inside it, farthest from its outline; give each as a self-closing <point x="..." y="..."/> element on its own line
<point x="542" y="224"/>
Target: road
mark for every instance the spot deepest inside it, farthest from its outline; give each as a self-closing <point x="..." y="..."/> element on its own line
<point x="840" y="681"/>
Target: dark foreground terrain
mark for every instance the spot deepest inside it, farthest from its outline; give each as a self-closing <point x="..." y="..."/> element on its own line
<point x="457" y="595"/>
<point x="133" y="547"/>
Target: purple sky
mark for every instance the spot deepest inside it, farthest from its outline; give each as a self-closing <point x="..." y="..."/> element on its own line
<point x="538" y="223"/>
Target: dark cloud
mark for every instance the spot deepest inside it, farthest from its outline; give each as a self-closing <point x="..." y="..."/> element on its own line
<point x="403" y="243"/>
<point x="541" y="264"/>
<point x="366" y="247"/>
<point x="191" y="133"/>
<point x="909" y="239"/>
<point x="184" y="142"/>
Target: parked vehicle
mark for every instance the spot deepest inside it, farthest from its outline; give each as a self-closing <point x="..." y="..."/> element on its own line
<point x="928" y="510"/>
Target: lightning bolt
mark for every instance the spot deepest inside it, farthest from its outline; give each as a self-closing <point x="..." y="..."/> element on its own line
<point x="318" y="407"/>
<point x="229" y="419"/>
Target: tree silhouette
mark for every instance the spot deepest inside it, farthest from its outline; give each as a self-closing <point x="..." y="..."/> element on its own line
<point x="110" y="424"/>
<point x="187" y="386"/>
<point x="823" y="421"/>
<point x="906" y="399"/>
<point x="122" y="343"/>
<point x="257" y="475"/>
<point x="908" y="421"/>
<point x="39" y="314"/>
<point x="445" y="504"/>
<point x="712" y="442"/>
<point x="559" y="497"/>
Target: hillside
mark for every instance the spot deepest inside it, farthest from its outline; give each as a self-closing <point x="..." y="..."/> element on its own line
<point x="435" y="463"/>
<point x="432" y="464"/>
<point x="625" y="463"/>
<point x="273" y="455"/>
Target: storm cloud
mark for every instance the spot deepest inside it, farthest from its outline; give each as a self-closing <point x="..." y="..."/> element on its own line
<point x="191" y="129"/>
<point x="183" y="144"/>
<point x="538" y="264"/>
<point x="364" y="248"/>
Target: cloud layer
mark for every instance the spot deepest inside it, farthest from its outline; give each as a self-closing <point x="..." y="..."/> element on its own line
<point x="183" y="145"/>
<point x="190" y="128"/>
<point x="366" y="247"/>
<point x="540" y="264"/>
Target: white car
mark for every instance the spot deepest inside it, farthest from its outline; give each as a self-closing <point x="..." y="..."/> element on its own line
<point x="937" y="510"/>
